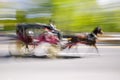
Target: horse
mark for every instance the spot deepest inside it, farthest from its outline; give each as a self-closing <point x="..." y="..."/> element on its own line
<point x="87" y="39"/>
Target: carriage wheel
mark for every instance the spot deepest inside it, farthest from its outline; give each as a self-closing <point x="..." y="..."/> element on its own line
<point x="18" y="48"/>
<point x="53" y="51"/>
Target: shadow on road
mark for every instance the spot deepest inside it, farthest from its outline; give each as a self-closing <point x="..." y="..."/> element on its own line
<point x="40" y="57"/>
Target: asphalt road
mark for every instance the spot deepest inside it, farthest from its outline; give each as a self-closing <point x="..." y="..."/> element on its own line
<point x="90" y="66"/>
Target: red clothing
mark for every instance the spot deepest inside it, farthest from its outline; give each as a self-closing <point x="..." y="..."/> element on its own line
<point x="48" y="37"/>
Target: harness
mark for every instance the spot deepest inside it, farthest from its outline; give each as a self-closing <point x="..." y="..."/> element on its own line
<point x="91" y="38"/>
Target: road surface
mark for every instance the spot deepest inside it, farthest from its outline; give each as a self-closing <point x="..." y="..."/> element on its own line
<point x="89" y="66"/>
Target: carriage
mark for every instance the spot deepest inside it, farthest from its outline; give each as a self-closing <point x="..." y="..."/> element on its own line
<point x="27" y="38"/>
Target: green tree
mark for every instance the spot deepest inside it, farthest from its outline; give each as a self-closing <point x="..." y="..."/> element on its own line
<point x="21" y="16"/>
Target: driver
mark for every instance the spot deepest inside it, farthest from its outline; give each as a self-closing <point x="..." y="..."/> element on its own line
<point x="54" y="29"/>
<point x="51" y="23"/>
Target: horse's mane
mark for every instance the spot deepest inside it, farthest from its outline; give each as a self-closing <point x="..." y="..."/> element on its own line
<point x="96" y="30"/>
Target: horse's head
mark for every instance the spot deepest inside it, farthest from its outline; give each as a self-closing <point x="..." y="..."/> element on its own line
<point x="98" y="31"/>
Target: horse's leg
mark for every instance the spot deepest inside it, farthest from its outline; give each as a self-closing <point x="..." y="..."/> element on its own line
<point x="64" y="46"/>
<point x="68" y="45"/>
<point x="96" y="49"/>
<point x="76" y="47"/>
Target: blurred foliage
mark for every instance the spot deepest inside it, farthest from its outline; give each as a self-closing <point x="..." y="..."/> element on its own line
<point x="21" y="16"/>
<point x="10" y="26"/>
<point x="38" y="20"/>
<point x="84" y="15"/>
<point x="69" y="15"/>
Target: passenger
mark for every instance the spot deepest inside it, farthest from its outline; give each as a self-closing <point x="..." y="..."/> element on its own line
<point x="48" y="36"/>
